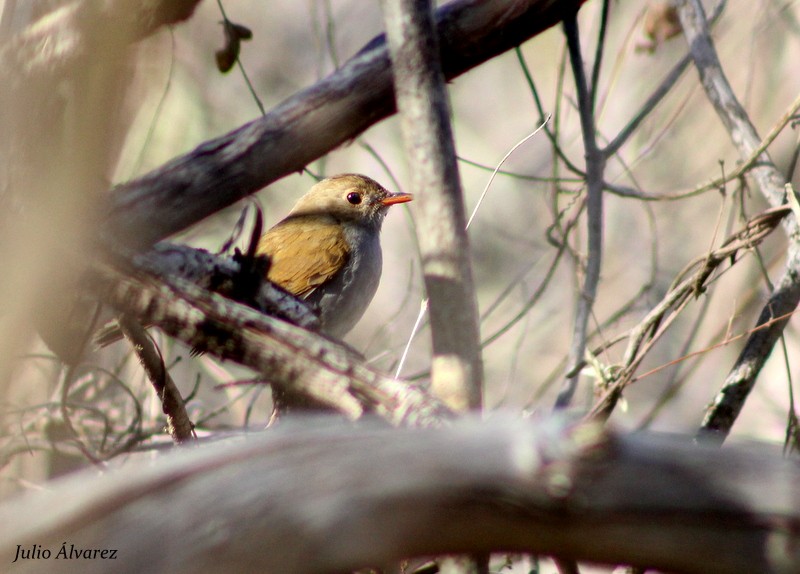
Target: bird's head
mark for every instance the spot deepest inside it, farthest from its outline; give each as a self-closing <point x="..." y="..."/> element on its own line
<point x="349" y="197"/>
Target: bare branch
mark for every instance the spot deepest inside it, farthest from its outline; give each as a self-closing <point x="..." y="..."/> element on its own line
<point x="723" y="412"/>
<point x="725" y="409"/>
<point x="179" y="425"/>
<point x="310" y="123"/>
<point x="688" y="284"/>
<point x="287" y="356"/>
<point x="369" y="496"/>
<point x="664" y="88"/>
<point x="456" y="366"/>
<point x="720" y="93"/>
<point x="595" y="168"/>
<point x="221" y="275"/>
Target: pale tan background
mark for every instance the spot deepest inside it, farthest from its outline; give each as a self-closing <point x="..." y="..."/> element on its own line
<point x="679" y="146"/>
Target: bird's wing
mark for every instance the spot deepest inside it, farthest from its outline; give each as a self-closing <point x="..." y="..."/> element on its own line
<point x="305" y="252"/>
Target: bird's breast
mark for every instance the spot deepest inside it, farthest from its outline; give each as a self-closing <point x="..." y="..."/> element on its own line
<point x="343" y="301"/>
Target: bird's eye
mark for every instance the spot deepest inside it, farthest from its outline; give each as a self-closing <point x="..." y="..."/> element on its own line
<point x="354" y="197"/>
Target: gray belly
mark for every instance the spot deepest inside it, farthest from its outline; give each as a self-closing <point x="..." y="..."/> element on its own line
<point x="343" y="301"/>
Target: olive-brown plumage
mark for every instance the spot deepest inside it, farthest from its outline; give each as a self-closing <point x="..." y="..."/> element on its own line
<point x="327" y="250"/>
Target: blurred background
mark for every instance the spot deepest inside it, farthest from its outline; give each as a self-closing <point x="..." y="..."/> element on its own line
<point x="172" y="98"/>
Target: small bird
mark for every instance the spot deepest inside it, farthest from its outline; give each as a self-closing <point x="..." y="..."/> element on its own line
<point x="327" y="250"/>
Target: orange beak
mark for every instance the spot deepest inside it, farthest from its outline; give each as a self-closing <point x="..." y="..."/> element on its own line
<point x="393" y="198"/>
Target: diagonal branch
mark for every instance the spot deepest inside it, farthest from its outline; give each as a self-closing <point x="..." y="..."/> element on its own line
<point x="229" y="277"/>
<point x="289" y="357"/>
<point x="770" y="181"/>
<point x="179" y="425"/>
<point x="691" y="281"/>
<point x="310" y="123"/>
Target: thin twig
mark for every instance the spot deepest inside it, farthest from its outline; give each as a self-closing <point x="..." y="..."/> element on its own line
<point x="688" y="283"/>
<point x="551" y="134"/>
<point x="598" y="53"/>
<point x="499" y="165"/>
<point x="179" y="425"/>
<point x="740" y="381"/>
<point x="664" y="88"/>
<point x="423" y="308"/>
<point x="595" y="166"/>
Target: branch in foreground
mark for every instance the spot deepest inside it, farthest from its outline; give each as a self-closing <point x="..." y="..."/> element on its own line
<point x="421" y="96"/>
<point x="310" y="123"/>
<point x="65" y="38"/>
<point x="545" y="488"/>
<point x="64" y="81"/>
<point x="287" y="356"/>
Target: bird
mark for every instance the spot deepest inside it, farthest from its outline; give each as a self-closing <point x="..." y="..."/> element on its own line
<point x="327" y="250"/>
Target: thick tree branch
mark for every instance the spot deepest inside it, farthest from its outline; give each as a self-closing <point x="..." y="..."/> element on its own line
<point x="369" y="496"/>
<point x="288" y="357"/>
<point x="310" y="123"/>
<point x="221" y="275"/>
